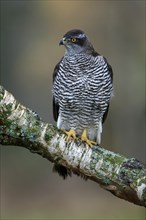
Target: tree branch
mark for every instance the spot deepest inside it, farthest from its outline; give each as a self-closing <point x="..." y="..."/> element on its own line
<point x="123" y="177"/>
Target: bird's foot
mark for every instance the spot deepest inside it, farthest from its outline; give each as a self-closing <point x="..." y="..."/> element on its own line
<point x="84" y="138"/>
<point x="70" y="133"/>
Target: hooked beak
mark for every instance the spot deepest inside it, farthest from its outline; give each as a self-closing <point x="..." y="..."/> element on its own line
<point x="63" y="41"/>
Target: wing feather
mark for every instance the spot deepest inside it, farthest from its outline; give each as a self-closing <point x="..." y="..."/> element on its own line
<point x="110" y="71"/>
<point x="111" y="75"/>
<point x="55" y="104"/>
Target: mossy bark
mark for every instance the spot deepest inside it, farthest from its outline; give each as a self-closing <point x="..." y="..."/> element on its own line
<point x="20" y="126"/>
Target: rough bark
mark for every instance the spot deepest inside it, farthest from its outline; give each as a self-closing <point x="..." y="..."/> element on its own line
<point x="20" y="126"/>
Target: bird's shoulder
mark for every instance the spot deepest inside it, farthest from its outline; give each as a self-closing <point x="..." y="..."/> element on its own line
<point x="56" y="69"/>
<point x="109" y="68"/>
<point x="102" y="61"/>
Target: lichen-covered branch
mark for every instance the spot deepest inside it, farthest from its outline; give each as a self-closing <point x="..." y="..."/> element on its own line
<point x="123" y="177"/>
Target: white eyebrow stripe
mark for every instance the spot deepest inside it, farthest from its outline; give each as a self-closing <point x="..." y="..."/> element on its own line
<point x="81" y="35"/>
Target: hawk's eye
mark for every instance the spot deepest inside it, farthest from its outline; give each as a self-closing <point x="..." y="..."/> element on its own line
<point x="74" y="40"/>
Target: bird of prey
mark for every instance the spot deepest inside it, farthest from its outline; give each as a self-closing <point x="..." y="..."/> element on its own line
<point x="82" y="89"/>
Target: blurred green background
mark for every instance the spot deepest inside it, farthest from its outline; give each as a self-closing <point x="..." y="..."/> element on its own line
<point x="30" y="33"/>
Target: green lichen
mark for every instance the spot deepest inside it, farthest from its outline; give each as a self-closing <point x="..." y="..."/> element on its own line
<point x="2" y="91"/>
<point x="47" y="137"/>
<point x="114" y="159"/>
<point x="111" y="162"/>
<point x="50" y="132"/>
<point x="5" y="111"/>
<point x="131" y="171"/>
<point x="1" y="97"/>
<point x="144" y="195"/>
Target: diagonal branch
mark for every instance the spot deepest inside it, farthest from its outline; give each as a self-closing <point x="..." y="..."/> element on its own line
<point x="20" y="126"/>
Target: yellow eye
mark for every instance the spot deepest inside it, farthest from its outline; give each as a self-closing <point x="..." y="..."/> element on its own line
<point x="73" y="40"/>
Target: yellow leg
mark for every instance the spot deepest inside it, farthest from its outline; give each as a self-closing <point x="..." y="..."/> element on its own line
<point x="84" y="138"/>
<point x="70" y="133"/>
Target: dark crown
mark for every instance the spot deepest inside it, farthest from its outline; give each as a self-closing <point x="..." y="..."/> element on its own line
<point x="73" y="33"/>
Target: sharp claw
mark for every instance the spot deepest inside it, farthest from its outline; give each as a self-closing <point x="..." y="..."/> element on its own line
<point x="84" y="138"/>
<point x="70" y="133"/>
<point x="90" y="143"/>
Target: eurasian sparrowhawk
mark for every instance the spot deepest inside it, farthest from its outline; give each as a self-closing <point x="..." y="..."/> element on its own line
<point x="82" y="89"/>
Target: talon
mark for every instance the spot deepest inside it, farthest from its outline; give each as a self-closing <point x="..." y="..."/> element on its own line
<point x="70" y="133"/>
<point x="84" y="138"/>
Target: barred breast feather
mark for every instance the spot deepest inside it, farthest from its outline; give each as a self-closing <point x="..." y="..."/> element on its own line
<point x="82" y="88"/>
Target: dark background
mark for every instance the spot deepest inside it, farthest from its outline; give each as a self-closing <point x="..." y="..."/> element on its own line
<point x="30" y="33"/>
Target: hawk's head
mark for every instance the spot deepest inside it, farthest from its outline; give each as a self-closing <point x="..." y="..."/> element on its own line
<point x="76" y="41"/>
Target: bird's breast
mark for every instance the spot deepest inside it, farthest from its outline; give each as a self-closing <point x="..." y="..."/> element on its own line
<point x="79" y="81"/>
